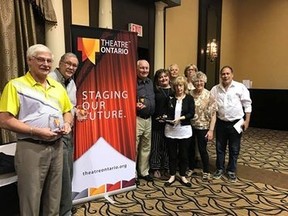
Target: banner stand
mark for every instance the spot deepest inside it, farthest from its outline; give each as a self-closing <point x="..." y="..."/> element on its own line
<point x="87" y="199"/>
<point x="105" y="143"/>
<point x="110" y="200"/>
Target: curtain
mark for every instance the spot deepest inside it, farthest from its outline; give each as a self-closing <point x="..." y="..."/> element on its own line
<point x="45" y="10"/>
<point x="22" y="24"/>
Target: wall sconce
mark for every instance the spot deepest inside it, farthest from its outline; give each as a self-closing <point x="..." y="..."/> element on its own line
<point x="211" y="50"/>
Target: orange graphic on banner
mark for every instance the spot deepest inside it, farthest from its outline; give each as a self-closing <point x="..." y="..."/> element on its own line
<point x="89" y="47"/>
<point x="96" y="191"/>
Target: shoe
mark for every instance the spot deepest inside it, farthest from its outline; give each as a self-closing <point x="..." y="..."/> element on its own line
<point x="157" y="174"/>
<point x="137" y="182"/>
<point x="73" y="210"/>
<point x="231" y="177"/>
<point x="148" y="178"/>
<point x="185" y="182"/>
<point x="170" y="181"/>
<point x="168" y="184"/>
<point x="218" y="174"/>
<point x="205" y="176"/>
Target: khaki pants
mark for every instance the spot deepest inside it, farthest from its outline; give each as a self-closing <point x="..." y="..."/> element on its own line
<point x="39" y="170"/>
<point x="143" y="145"/>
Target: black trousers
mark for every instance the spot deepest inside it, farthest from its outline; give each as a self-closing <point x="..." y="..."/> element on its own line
<point x="178" y="155"/>
<point x="199" y="139"/>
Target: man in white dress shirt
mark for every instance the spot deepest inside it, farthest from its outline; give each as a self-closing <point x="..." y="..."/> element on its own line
<point x="234" y="105"/>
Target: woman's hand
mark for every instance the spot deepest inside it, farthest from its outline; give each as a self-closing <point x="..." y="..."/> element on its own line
<point x="209" y="135"/>
<point x="177" y="121"/>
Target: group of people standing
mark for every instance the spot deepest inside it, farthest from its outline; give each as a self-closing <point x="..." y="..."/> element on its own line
<point x="180" y="118"/>
<point x="173" y="114"/>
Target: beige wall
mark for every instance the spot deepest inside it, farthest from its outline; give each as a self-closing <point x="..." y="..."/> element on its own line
<point x="254" y="38"/>
<point x="229" y="33"/>
<point x="80" y="12"/>
<point x="181" y="34"/>
<point x="255" y="41"/>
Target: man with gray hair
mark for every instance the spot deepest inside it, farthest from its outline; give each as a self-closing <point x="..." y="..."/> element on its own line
<point x="37" y="108"/>
<point x="145" y="108"/>
<point x="64" y="74"/>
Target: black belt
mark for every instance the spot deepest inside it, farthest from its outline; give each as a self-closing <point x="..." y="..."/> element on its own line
<point x="229" y="122"/>
<point x="144" y="116"/>
<point x="42" y="142"/>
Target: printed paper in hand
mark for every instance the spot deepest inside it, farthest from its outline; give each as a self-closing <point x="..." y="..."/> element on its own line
<point x="238" y="125"/>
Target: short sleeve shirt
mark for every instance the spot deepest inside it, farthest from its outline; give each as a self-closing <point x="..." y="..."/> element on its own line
<point x="33" y="104"/>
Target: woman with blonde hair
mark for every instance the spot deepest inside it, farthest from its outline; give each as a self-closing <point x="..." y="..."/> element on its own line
<point x="178" y="130"/>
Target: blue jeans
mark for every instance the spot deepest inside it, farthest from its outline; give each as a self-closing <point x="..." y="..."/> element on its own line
<point x="227" y="135"/>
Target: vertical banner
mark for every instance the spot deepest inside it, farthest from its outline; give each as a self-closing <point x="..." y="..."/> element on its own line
<point x="106" y="89"/>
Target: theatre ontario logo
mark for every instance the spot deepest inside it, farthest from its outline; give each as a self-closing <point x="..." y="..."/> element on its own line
<point x="91" y="46"/>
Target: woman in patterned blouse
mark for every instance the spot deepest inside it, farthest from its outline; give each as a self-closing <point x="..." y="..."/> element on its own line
<point x="204" y="119"/>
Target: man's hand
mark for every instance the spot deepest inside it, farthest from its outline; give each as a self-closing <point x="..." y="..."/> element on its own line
<point x="66" y="129"/>
<point x="45" y="133"/>
<point x="245" y="125"/>
<point x="140" y="106"/>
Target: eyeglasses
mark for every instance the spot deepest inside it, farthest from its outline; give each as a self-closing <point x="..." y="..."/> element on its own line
<point x="42" y="60"/>
<point x="69" y="64"/>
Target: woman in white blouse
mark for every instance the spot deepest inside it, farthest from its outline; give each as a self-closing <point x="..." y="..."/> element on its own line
<point x="178" y="130"/>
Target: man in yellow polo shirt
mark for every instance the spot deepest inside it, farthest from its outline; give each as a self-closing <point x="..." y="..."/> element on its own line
<point x="37" y="108"/>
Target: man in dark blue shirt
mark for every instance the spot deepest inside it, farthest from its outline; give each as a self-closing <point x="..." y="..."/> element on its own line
<point x="145" y="108"/>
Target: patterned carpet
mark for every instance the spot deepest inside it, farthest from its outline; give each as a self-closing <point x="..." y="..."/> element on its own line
<point x="261" y="189"/>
